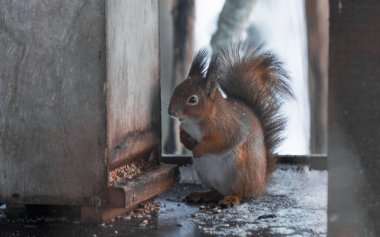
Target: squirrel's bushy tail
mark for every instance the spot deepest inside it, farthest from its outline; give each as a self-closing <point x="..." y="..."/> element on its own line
<point x="249" y="73"/>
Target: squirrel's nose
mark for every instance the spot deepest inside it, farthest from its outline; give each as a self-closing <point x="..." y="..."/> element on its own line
<point x="174" y="111"/>
<point x="171" y="113"/>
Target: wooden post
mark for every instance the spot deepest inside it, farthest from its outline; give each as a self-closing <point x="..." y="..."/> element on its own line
<point x="52" y="102"/>
<point x="79" y="95"/>
<point x="317" y="15"/>
<point x="133" y="84"/>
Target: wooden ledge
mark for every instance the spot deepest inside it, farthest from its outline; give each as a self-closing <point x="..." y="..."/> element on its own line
<point x="127" y="194"/>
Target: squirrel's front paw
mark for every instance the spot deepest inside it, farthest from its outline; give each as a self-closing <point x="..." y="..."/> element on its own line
<point x="187" y="140"/>
<point x="230" y="201"/>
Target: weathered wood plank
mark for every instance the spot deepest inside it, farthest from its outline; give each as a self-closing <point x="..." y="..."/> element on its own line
<point x="62" y="123"/>
<point x="143" y="187"/>
<point x="133" y="85"/>
<point x="52" y="101"/>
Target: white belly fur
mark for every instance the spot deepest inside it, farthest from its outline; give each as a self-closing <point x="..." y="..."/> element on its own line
<point x="217" y="171"/>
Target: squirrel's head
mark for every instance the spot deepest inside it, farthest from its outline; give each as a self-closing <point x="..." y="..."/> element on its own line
<point x="192" y="99"/>
<point x="195" y="97"/>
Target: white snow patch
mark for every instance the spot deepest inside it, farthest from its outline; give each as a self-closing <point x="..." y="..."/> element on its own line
<point x="295" y="204"/>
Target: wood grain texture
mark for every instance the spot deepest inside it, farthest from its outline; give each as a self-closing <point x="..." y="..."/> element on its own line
<point x="52" y="101"/>
<point x="133" y="86"/>
<point x="354" y="118"/>
<point x="129" y="193"/>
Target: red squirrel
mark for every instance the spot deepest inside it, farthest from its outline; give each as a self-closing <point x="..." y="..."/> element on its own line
<point x="229" y="110"/>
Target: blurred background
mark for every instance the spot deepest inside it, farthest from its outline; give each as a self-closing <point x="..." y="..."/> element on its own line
<point x="295" y="30"/>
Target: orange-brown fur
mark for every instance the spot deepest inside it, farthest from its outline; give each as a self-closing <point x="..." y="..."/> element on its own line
<point x="251" y="163"/>
<point x="230" y="200"/>
<point x="221" y="128"/>
<point x="244" y="127"/>
<point x="215" y="127"/>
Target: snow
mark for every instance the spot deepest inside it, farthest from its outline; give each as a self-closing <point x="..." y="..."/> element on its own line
<point x="295" y="204"/>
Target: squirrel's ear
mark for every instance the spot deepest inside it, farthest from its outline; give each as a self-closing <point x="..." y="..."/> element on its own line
<point x="211" y="88"/>
<point x="212" y="76"/>
<point x="198" y="67"/>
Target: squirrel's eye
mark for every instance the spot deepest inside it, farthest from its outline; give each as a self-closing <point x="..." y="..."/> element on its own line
<point x="192" y="100"/>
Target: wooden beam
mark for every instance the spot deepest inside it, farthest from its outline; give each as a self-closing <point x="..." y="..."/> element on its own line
<point x="128" y="193"/>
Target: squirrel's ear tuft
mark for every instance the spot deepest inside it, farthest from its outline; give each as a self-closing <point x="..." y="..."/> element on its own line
<point x="212" y="75"/>
<point x="198" y="67"/>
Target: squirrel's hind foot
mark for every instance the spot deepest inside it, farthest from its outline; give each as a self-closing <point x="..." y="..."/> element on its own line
<point x="209" y="196"/>
<point x="230" y="201"/>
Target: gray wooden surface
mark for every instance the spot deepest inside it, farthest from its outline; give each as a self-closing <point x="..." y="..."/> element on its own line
<point x="65" y="88"/>
<point x="52" y="106"/>
<point x="133" y="86"/>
